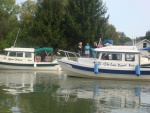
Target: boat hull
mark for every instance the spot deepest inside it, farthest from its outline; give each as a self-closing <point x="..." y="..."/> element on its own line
<point x="30" y="66"/>
<point x="77" y="70"/>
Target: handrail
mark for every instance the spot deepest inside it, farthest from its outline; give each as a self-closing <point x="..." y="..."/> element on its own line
<point x="67" y="54"/>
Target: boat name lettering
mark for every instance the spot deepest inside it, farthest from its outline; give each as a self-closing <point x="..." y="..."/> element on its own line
<point x="131" y="65"/>
<point x="18" y="59"/>
<point x="109" y="64"/>
<point x="15" y="59"/>
<point x="121" y="65"/>
<point x="10" y="59"/>
<point x="115" y="65"/>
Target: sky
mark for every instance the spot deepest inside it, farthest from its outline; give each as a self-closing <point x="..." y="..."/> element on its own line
<point x="129" y="16"/>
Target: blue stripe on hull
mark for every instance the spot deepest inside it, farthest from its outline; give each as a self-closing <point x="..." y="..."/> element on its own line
<point x="108" y="70"/>
<point x="145" y="72"/>
<point x="103" y="70"/>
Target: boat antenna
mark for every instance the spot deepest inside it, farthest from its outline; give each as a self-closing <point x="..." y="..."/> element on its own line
<point x="16" y="37"/>
<point x="133" y="42"/>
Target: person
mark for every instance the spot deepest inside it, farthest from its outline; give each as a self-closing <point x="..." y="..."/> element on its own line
<point x="80" y="48"/>
<point x="87" y="50"/>
<point x="95" y="45"/>
<point x="43" y="55"/>
<point x="105" y="56"/>
<point x="94" y="52"/>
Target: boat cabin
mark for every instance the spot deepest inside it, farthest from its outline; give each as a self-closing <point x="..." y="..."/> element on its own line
<point x="117" y="56"/>
<point x="15" y="54"/>
<point x="26" y="55"/>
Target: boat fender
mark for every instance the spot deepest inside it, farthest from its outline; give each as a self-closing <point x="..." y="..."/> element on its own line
<point x="34" y="64"/>
<point x="137" y="70"/>
<point x="96" y="67"/>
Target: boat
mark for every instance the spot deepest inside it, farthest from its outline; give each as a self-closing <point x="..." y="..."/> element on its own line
<point x="108" y="62"/>
<point x="28" y="59"/>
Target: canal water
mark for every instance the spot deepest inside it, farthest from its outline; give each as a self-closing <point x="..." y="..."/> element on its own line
<point x="54" y="92"/>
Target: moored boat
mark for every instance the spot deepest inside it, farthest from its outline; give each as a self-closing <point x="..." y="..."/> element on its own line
<point x="109" y="62"/>
<point x="28" y="59"/>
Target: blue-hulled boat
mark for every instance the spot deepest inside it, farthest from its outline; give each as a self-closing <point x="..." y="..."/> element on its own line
<point x="109" y="62"/>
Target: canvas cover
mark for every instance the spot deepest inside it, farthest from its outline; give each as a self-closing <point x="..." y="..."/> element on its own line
<point x="43" y="49"/>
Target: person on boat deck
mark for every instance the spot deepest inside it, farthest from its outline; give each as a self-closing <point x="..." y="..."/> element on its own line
<point x="43" y="55"/>
<point x="105" y="56"/>
<point x="95" y="45"/>
<point x="80" y="48"/>
<point x="94" y="52"/>
<point x="87" y="50"/>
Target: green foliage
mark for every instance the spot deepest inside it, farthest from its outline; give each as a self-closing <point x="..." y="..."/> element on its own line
<point x="60" y="24"/>
<point x="147" y="36"/>
<point x="109" y="32"/>
<point x="84" y="20"/>
<point x="48" y="24"/>
<point x="8" y="22"/>
<point x="123" y="40"/>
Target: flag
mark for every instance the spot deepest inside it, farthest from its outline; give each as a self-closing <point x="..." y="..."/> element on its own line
<point x="100" y="45"/>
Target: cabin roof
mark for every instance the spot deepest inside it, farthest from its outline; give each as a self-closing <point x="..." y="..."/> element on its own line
<point x="120" y="49"/>
<point x="19" y="49"/>
<point x="29" y="49"/>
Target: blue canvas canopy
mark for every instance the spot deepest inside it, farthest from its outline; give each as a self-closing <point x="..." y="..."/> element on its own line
<point x="146" y="48"/>
<point x="43" y="49"/>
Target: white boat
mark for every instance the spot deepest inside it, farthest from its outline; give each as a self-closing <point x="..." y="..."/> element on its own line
<point x="109" y="62"/>
<point x="27" y="59"/>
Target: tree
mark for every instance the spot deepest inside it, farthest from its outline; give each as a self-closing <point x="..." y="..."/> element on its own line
<point x="48" y="28"/>
<point x="110" y="33"/>
<point x="147" y="36"/>
<point x="26" y="19"/>
<point x="84" y="21"/>
<point x="8" y="22"/>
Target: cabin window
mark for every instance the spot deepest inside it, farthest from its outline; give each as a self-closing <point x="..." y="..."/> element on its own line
<point x="27" y="55"/>
<point x="13" y="54"/>
<point x="111" y="56"/>
<point x="116" y="56"/>
<point x="144" y="45"/>
<point x="19" y="54"/>
<point x="105" y="56"/>
<point x="130" y="57"/>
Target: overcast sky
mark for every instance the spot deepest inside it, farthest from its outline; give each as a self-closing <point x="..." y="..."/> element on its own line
<point x="129" y="16"/>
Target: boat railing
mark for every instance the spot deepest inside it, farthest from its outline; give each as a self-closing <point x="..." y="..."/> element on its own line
<point x="68" y="54"/>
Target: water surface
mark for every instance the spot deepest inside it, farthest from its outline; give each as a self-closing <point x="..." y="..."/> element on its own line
<point x="54" y="92"/>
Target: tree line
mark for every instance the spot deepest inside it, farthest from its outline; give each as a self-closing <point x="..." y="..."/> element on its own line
<point x="60" y="24"/>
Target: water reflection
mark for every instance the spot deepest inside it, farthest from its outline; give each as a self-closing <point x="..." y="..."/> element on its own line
<point x="16" y="82"/>
<point x="45" y="92"/>
<point x="107" y="95"/>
